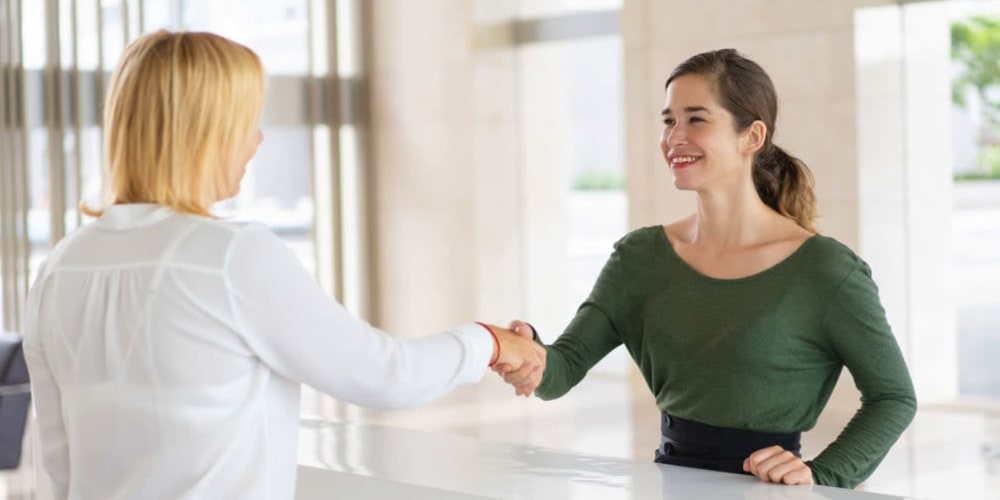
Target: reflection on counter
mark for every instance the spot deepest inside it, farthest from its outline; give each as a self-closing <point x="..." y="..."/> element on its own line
<point x="371" y="461"/>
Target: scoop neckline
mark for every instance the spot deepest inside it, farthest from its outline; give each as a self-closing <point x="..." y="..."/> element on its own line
<point x="759" y="274"/>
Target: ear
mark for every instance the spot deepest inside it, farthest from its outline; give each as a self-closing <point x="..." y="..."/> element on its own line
<point x="753" y="137"/>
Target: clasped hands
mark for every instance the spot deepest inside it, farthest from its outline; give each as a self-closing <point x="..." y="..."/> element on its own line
<point x="522" y="360"/>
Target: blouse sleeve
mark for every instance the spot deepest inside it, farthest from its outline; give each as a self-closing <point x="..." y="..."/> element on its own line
<point x="856" y="328"/>
<point x="302" y="333"/>
<point x="46" y="398"/>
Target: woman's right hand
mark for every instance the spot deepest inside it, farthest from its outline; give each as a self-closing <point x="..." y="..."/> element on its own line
<point x="520" y="354"/>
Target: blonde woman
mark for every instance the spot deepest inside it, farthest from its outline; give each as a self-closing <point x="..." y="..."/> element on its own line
<point x="166" y="346"/>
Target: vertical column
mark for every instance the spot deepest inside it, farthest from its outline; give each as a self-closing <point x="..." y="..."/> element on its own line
<point x="76" y="97"/>
<point x="928" y="199"/>
<point x="423" y="163"/>
<point x="324" y="124"/>
<point x="904" y="149"/>
<point x="544" y="183"/>
<point x="7" y="29"/>
<point x="881" y="158"/>
<point x="14" y="248"/>
<point x="55" y="121"/>
<point x="500" y="174"/>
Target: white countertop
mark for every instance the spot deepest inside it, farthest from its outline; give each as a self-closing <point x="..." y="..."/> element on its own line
<point x="358" y="461"/>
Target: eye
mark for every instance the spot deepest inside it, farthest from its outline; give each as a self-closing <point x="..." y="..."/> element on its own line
<point x="669" y="122"/>
<point x="697" y="119"/>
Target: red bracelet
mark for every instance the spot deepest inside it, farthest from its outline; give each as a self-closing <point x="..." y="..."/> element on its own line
<point x="496" y="343"/>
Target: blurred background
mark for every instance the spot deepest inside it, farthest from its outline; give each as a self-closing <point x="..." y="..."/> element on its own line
<point x="442" y="161"/>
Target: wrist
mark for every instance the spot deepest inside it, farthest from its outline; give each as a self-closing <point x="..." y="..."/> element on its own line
<point x="496" y="344"/>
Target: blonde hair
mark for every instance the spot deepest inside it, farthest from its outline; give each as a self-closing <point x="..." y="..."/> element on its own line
<point x="178" y="112"/>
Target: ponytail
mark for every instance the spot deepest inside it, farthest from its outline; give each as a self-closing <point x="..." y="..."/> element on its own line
<point x="785" y="184"/>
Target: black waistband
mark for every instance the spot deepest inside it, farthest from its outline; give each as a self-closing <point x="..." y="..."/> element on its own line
<point x="697" y="440"/>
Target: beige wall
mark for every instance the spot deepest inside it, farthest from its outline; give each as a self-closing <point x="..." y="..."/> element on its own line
<point x="421" y="73"/>
<point x="449" y="192"/>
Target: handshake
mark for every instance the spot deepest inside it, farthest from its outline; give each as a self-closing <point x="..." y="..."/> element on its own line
<point x="519" y="360"/>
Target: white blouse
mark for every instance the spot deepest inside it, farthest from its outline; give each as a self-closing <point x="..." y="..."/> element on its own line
<point x="166" y="352"/>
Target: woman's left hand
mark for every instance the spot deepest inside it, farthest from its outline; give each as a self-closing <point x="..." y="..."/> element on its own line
<point x="775" y="464"/>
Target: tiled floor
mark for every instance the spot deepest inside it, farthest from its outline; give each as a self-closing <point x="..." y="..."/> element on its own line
<point x="949" y="453"/>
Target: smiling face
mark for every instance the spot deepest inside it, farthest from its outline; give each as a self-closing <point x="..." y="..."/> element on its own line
<point x="699" y="139"/>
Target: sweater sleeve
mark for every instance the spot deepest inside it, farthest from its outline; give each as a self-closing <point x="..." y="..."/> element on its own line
<point x="592" y="333"/>
<point x="858" y="333"/>
<point x="305" y="335"/>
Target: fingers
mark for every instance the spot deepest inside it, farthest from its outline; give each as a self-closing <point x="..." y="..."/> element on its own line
<point x="801" y="475"/>
<point x="502" y="369"/>
<point x="531" y="380"/>
<point x="521" y="328"/>
<point x="525" y="380"/>
<point x="775" y="464"/>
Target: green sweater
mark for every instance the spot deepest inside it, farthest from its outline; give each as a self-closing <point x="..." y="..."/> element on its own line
<point x="761" y="353"/>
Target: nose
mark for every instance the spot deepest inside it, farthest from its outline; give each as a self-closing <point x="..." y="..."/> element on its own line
<point x="672" y="137"/>
<point x="675" y="135"/>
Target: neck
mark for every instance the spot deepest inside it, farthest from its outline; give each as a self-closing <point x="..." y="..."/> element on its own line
<point x="731" y="217"/>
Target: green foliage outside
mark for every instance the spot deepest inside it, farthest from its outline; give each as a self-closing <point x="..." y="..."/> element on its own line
<point x="975" y="45"/>
<point x="598" y="180"/>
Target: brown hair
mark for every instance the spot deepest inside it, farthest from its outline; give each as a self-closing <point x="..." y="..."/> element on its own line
<point x="178" y="111"/>
<point x="743" y="88"/>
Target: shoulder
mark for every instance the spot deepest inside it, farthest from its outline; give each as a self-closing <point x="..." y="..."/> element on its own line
<point x="66" y="246"/>
<point x="641" y="239"/>
<point x="638" y="246"/>
<point x="244" y="234"/>
<point x="833" y="262"/>
<point x="832" y="251"/>
<point x="212" y="242"/>
<point x="255" y="241"/>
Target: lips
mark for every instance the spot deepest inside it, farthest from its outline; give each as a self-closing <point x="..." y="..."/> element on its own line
<point x="683" y="161"/>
